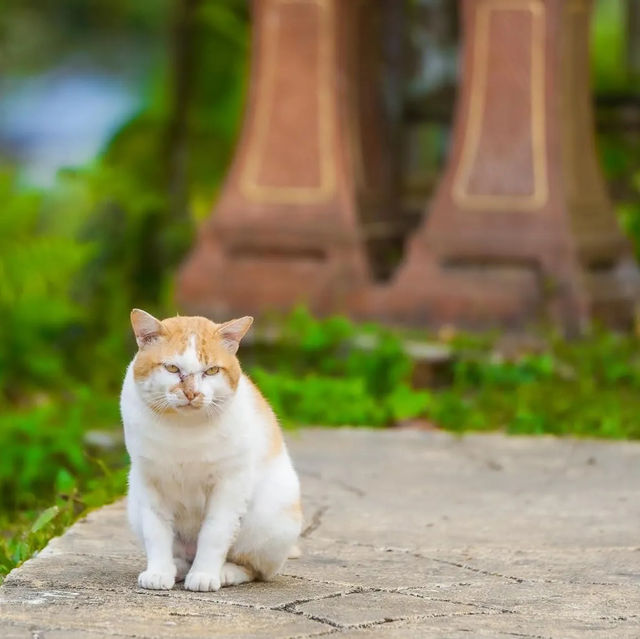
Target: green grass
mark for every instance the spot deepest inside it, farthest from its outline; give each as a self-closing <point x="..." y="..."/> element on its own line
<point x="24" y="532"/>
<point x="587" y="388"/>
<point x="50" y="473"/>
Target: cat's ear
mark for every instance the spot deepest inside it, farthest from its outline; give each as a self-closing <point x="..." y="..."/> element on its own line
<point x="145" y="327"/>
<point x="233" y="331"/>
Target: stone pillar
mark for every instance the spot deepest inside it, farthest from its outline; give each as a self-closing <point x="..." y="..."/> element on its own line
<point x="521" y="227"/>
<point x="304" y="206"/>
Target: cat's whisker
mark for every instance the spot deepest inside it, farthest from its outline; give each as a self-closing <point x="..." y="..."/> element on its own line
<point x="213" y="409"/>
<point x="214" y="406"/>
<point x="159" y="403"/>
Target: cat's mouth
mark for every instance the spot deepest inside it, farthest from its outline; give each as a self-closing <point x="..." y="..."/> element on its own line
<point x="189" y="406"/>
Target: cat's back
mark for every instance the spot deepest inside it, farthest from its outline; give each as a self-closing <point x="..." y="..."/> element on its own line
<point x="270" y="442"/>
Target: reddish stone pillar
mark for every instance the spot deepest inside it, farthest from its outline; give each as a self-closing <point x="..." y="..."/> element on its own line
<point x="307" y="190"/>
<point x="521" y="227"/>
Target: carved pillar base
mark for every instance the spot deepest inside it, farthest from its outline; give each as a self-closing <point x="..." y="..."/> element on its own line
<point x="521" y="228"/>
<point x="298" y="213"/>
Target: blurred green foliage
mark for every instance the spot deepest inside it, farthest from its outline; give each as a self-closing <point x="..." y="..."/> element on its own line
<point x="587" y="388"/>
<point x="608" y="50"/>
<point x="616" y="82"/>
<point x="45" y="442"/>
<point x="320" y="373"/>
<point x="37" y="265"/>
<point x="317" y="374"/>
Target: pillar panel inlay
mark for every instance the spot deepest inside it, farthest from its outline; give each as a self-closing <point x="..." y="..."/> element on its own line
<point x="503" y="163"/>
<point x="300" y="173"/>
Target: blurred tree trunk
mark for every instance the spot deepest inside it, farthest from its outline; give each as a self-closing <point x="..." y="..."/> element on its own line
<point x="394" y="60"/>
<point x="183" y="51"/>
<point x="633" y="38"/>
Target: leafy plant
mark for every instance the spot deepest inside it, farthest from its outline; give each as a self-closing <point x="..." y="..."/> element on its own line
<point x="333" y="372"/>
<point x="28" y="531"/>
<point x="587" y="387"/>
<point x="44" y="444"/>
<point x="51" y="473"/>
<point x="37" y="268"/>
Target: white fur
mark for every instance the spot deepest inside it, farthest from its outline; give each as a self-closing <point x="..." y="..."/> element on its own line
<point x="201" y="486"/>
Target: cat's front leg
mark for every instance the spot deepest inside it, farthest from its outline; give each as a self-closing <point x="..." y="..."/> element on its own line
<point x="157" y="533"/>
<point x="226" y="506"/>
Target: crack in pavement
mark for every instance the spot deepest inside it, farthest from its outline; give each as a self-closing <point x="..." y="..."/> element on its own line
<point x="306" y="615"/>
<point x="480" y="571"/>
<point x="348" y="584"/>
<point x="292" y="608"/>
<point x="335" y="481"/>
<point x="419" y="555"/>
<point x="349" y="488"/>
<point x="456" y="602"/>
<point x="316" y="521"/>
<point x="326" y="633"/>
<point x="297" y="602"/>
<point x="386" y="620"/>
<point x="338" y="631"/>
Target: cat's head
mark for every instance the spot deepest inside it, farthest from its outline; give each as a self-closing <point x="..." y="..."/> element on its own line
<point x="186" y="365"/>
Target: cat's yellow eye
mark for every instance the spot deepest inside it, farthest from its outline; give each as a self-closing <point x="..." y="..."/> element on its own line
<point x="214" y="370"/>
<point x="172" y="368"/>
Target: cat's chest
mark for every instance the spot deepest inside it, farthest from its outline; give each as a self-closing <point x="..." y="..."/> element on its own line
<point x="185" y="470"/>
<point x="183" y="489"/>
<point x="186" y="454"/>
<point x="180" y="478"/>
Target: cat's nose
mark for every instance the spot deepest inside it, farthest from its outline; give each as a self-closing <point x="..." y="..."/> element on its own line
<point x="189" y="393"/>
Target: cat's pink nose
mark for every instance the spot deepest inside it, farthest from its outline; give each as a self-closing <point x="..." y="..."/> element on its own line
<point x="189" y="394"/>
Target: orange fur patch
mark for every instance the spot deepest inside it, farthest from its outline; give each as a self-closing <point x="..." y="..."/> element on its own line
<point x="276" y="441"/>
<point x="295" y="510"/>
<point x="242" y="559"/>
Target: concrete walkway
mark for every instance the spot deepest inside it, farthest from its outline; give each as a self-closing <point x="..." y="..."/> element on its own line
<point x="409" y="534"/>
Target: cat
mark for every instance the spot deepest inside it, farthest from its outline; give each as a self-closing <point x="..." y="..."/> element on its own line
<point x="213" y="495"/>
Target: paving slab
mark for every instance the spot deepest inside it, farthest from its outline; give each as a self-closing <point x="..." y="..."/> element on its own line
<point x="407" y="534"/>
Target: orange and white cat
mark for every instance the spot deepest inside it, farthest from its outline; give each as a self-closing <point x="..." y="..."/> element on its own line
<point x="213" y="494"/>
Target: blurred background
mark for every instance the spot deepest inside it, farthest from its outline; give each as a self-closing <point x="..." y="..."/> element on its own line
<point x="117" y="125"/>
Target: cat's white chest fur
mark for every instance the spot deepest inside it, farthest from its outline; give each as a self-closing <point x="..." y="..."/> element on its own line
<point x="184" y="487"/>
<point x="213" y="495"/>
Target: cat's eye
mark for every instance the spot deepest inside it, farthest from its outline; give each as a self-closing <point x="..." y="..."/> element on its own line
<point x="214" y="370"/>
<point x="172" y="368"/>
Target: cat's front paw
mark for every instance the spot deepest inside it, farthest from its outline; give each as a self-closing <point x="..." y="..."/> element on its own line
<point x="156" y="580"/>
<point x="202" y="581"/>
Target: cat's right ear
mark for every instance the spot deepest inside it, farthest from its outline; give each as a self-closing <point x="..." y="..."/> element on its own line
<point x="145" y="327"/>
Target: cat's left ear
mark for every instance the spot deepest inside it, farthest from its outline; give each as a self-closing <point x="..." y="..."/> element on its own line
<point x="145" y="327"/>
<point x="233" y="331"/>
